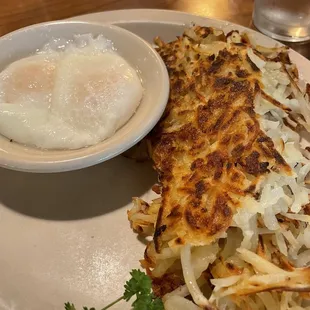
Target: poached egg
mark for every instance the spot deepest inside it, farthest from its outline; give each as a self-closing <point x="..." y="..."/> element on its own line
<point x="69" y="97"/>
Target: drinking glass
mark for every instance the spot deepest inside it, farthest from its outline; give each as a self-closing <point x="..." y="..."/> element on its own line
<point x="285" y="20"/>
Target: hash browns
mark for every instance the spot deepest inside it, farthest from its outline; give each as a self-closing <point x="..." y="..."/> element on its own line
<point x="230" y="227"/>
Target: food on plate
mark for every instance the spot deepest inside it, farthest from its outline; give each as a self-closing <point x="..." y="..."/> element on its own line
<point x="140" y="287"/>
<point x="69" y="95"/>
<point x="230" y="224"/>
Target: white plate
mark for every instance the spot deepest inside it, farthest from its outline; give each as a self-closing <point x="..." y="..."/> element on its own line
<point x="65" y="237"/>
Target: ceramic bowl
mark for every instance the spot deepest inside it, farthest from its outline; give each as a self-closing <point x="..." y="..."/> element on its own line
<point x="136" y="51"/>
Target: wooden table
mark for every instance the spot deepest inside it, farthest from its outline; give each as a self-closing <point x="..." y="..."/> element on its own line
<point x="18" y="13"/>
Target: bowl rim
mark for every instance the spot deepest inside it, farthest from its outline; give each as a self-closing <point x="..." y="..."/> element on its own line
<point x="78" y="160"/>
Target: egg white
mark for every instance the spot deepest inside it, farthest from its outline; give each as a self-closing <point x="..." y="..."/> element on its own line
<point x="67" y="100"/>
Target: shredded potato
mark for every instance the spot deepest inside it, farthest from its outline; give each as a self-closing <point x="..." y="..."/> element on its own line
<point x="256" y="253"/>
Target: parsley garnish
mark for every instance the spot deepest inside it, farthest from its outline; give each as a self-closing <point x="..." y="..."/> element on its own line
<point x="140" y="285"/>
<point x="69" y="306"/>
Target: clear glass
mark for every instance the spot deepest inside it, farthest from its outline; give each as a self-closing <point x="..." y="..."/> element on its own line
<point x="285" y="20"/>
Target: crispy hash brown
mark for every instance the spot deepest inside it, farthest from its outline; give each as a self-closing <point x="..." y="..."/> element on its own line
<point x="229" y="229"/>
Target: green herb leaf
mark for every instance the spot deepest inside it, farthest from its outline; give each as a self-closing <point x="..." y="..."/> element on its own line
<point x="69" y="306"/>
<point x="143" y="302"/>
<point x="157" y="304"/>
<point x="140" y="285"/>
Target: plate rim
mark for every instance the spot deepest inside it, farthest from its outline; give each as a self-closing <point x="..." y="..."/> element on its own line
<point x="182" y="18"/>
